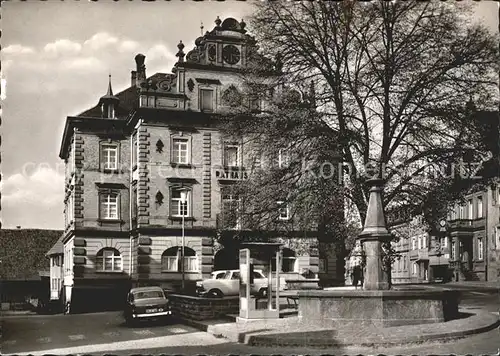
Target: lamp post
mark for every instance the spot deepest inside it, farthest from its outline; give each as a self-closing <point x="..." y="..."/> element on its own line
<point x="183" y="201"/>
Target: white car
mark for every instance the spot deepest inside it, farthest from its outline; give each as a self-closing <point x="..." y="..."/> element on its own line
<point x="229" y="284"/>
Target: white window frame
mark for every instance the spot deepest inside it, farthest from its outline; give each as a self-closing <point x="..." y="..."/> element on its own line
<point x="171" y="262"/>
<point x="108" y="204"/>
<point x="283" y="206"/>
<point x="108" y="162"/>
<point x="180" y="141"/>
<point x="415" y="269"/>
<point x="177" y="203"/>
<point x="480" y="207"/>
<point x="480" y="248"/>
<point x="470" y="209"/>
<point x="109" y="254"/>
<point x="238" y="154"/>
<point x="190" y="263"/>
<point x="283" y="158"/>
<point x="461" y="212"/>
<point x="453" y="250"/>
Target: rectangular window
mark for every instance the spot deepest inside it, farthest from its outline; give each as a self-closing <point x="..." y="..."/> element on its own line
<point x="190" y="264"/>
<point x="453" y="250"/>
<point x="231" y="207"/>
<point x="419" y="242"/>
<point x="479" y="207"/>
<point x="404" y="262"/>
<point x="109" y="206"/>
<point x="461" y="212"/>
<point x="206" y="100"/>
<point x="231" y="155"/>
<point x="283" y="158"/>
<point x="480" y="248"/>
<point x="170" y="263"/>
<point x="497" y="238"/>
<point x="283" y="210"/>
<point x="415" y="268"/>
<point x="180" y="150"/>
<point x="470" y="209"/>
<point x="109" y="156"/>
<point x="180" y="202"/>
<point x="413" y="243"/>
<point x="135" y="152"/>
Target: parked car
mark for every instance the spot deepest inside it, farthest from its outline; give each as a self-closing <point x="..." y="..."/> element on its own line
<point x="218" y="274"/>
<point x="229" y="285"/>
<point x="145" y="303"/>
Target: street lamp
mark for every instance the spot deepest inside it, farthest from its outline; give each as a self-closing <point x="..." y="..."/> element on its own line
<point x="183" y="202"/>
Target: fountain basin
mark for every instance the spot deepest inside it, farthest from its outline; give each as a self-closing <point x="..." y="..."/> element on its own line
<point x="334" y="308"/>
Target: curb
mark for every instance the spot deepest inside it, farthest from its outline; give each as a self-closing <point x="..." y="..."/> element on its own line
<point x="275" y="340"/>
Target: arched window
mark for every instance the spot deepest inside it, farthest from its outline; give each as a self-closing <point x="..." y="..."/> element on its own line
<point x="109" y="260"/>
<point x="171" y="260"/>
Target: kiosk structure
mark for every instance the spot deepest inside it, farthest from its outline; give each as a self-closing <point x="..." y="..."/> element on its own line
<point x="259" y="255"/>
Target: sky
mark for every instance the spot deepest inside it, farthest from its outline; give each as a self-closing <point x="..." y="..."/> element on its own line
<point x="55" y="61"/>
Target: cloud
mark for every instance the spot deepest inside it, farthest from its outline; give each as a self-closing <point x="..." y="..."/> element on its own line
<point x="158" y="51"/>
<point x="87" y="64"/>
<point x="62" y="47"/>
<point x="100" y="40"/>
<point x="127" y="46"/>
<point x="43" y="189"/>
<point x="17" y="49"/>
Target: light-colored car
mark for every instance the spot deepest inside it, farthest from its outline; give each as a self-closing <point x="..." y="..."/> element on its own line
<point x="218" y="274"/>
<point x="146" y="303"/>
<point x="229" y="284"/>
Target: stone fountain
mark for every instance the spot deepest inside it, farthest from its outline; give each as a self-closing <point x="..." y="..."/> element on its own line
<point x="376" y="304"/>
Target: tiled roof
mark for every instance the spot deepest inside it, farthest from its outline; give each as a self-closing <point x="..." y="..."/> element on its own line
<point x="23" y="251"/>
<point x="128" y="99"/>
<point x="57" y="248"/>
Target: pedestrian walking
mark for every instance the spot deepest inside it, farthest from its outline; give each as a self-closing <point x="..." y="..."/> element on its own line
<point x="356" y="276"/>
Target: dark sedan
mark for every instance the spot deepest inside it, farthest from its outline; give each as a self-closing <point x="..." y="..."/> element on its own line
<point x="145" y="303"/>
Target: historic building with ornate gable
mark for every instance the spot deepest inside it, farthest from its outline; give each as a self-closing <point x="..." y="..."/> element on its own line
<point x="148" y="170"/>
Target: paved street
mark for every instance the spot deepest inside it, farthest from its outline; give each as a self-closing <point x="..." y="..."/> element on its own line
<point x="105" y="332"/>
<point x="46" y="332"/>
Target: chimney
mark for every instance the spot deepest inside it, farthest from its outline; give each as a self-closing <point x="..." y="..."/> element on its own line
<point x="140" y="69"/>
<point x="134" y="78"/>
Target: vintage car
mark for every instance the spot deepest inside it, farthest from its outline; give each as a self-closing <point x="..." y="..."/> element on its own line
<point x="229" y="285"/>
<point x="145" y="303"/>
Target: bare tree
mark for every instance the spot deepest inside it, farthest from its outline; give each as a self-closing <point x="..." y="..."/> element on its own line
<point x="391" y="80"/>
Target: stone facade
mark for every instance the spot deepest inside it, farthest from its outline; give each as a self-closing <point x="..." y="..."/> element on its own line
<point x="129" y="158"/>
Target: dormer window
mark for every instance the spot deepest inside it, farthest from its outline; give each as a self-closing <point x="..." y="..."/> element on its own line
<point x="108" y="103"/>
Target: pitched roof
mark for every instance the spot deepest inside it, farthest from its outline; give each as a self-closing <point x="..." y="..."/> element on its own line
<point x="23" y="252"/>
<point x="128" y="99"/>
<point x="58" y="247"/>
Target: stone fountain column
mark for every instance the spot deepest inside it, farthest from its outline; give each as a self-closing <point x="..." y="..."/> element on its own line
<point x="373" y="235"/>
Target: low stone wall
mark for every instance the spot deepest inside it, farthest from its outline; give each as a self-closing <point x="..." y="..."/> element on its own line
<point x="199" y="308"/>
<point x="296" y="284"/>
